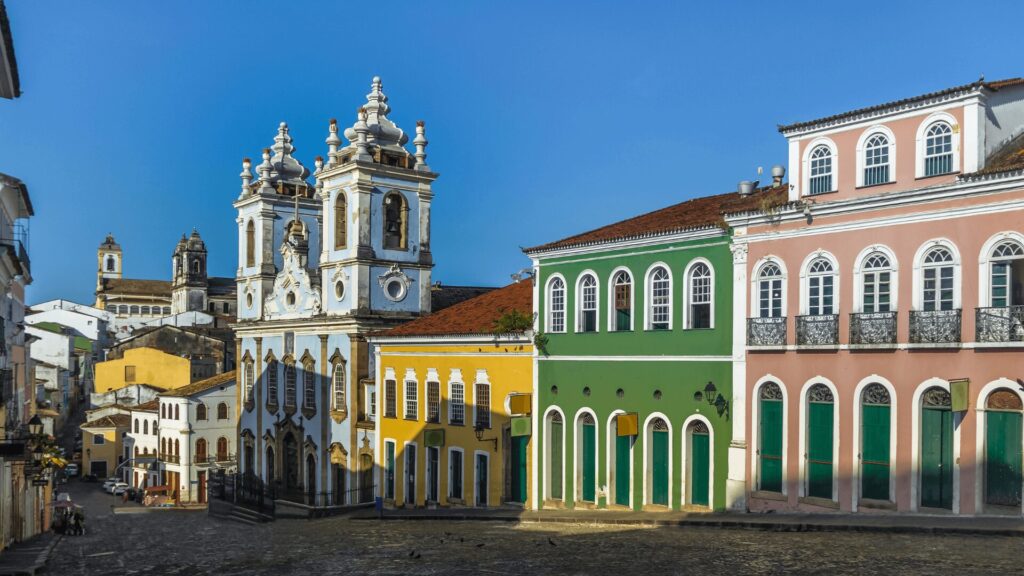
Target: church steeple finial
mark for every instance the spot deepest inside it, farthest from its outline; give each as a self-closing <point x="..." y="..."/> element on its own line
<point x="333" y="141"/>
<point x="246" y="176"/>
<point x="421" y="146"/>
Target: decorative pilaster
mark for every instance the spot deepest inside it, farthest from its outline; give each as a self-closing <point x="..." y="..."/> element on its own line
<point x="735" y="484"/>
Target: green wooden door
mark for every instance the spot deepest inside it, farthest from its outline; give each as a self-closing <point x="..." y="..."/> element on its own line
<point x="518" y="458"/>
<point x="875" y="434"/>
<point x="700" y="468"/>
<point x="622" y="470"/>
<point x="555" y="467"/>
<point x="659" y="467"/>
<point x="819" y="449"/>
<point x="1003" y="458"/>
<point x="937" y="458"/>
<point x="771" y="445"/>
<point x="589" y="462"/>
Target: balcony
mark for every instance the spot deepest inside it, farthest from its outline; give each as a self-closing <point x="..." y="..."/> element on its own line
<point x="999" y="325"/>
<point x="170" y="458"/>
<point x="821" y="330"/>
<point x="766" y="331"/>
<point x="935" y="326"/>
<point x="873" y="328"/>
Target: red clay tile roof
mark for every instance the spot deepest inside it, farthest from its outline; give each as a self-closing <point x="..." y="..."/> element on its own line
<point x="113" y="421"/>
<point x="695" y="214"/>
<point x="131" y="286"/>
<point x="202" y="385"/>
<point x="994" y="85"/>
<point x="473" y="316"/>
<point x="443" y="296"/>
<point x="1008" y="158"/>
<point x="150" y="406"/>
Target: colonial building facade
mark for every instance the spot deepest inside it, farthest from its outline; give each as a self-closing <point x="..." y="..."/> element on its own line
<point x="884" y="304"/>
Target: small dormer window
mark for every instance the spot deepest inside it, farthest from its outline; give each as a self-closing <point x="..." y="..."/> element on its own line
<point x="821" y="170"/>
<point x="876" y="160"/>
<point x="938" y="149"/>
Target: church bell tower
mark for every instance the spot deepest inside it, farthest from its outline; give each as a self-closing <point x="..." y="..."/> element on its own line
<point x="189" y="285"/>
<point x="108" y="264"/>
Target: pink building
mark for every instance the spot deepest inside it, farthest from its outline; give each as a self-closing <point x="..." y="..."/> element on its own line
<point x="893" y="272"/>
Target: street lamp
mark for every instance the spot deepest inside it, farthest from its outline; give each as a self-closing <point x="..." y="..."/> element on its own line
<point x="479" y="431"/>
<point x="710" y="393"/>
<point x="35" y="425"/>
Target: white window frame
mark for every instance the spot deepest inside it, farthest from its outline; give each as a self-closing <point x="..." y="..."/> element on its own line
<point x="862" y="153"/>
<point x="405" y="473"/>
<point x="548" y="301"/>
<point x="649" y="296"/>
<point x="648" y="458"/>
<point x="805" y="407"/>
<point x="612" y="316"/>
<point x="921" y="142"/>
<point x="985" y="264"/>
<point x="426" y="393"/>
<point x="578" y="297"/>
<point x="859" y="271"/>
<point x="918" y="275"/>
<point x="335" y="389"/>
<point x="452" y="404"/>
<point x="476" y="480"/>
<point x="547" y="454"/>
<point x="482" y="379"/>
<point x="805" y="290"/>
<point x="755" y="285"/>
<point x="805" y="179"/>
<point x="688" y="293"/>
<point x="414" y="401"/>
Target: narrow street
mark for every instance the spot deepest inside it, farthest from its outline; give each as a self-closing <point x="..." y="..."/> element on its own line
<point x="190" y="542"/>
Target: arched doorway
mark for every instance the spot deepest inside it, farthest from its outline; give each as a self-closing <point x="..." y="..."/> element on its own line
<point x="366" y="476"/>
<point x="875" y="434"/>
<point x="556" y="467"/>
<point x="269" y="480"/>
<point x="658" y="454"/>
<point x="698" y="464"/>
<point x="311" y="479"/>
<point x="770" y="437"/>
<point x="621" y="459"/>
<point x="291" y="463"/>
<point x="936" y="449"/>
<point x="820" y="436"/>
<point x="1003" y="422"/>
<point x="586" y="438"/>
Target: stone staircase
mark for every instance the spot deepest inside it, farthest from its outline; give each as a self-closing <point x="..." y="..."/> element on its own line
<point x="228" y="511"/>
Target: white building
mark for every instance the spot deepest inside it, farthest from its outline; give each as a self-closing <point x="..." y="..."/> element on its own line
<point x="86" y="321"/>
<point x="142" y="443"/>
<point x="197" y="435"/>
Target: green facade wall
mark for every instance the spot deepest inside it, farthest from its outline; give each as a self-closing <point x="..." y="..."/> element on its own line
<point x="585" y="371"/>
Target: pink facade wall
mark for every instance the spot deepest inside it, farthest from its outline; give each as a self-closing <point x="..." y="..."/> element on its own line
<point x="906" y="369"/>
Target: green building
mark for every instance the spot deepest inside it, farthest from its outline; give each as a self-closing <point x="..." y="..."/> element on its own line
<point x="634" y="405"/>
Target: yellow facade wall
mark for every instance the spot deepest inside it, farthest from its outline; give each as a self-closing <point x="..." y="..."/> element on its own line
<point x="509" y="370"/>
<point x="152" y="366"/>
<point x="108" y="451"/>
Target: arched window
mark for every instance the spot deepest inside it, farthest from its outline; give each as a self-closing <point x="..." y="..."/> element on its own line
<point x="699" y="287"/>
<point x="272" y="382"/>
<point x="876" y="280"/>
<point x="163" y="411"/>
<point x="201" y="450"/>
<point x="938" y="149"/>
<point x="769" y="291"/>
<point x="1006" y="277"/>
<point x="586" y="303"/>
<point x="659" y="299"/>
<point x="396" y="213"/>
<point x="136" y="428"/>
<point x="145" y="310"/>
<point x="250" y="244"/>
<point x="163" y="446"/>
<point x="222" y="449"/>
<point x="338" y="393"/>
<point x="340" y="222"/>
<point x="177" y="447"/>
<point x="201" y="411"/>
<point x="196" y="267"/>
<point x="111" y="264"/>
<point x="820" y="288"/>
<point x="177" y="412"/>
<point x="222" y="411"/>
<point x="145" y="426"/>
<point x="122" y="309"/>
<point x="134" y="310"/>
<point x="250" y="381"/>
<point x="167" y="310"/>
<point x="289" y="385"/>
<point x="937" y="280"/>
<point x="821" y="170"/>
<point x="308" y="386"/>
<point x="556" y="305"/>
<point x="622" y="301"/>
<point x="876" y="160"/>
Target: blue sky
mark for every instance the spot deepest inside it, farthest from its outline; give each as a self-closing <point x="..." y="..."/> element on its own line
<point x="545" y="119"/>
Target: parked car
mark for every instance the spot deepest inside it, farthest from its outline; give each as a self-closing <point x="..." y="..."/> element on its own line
<point x="71" y="469"/>
<point x="119" y="488"/>
<point x="108" y="483"/>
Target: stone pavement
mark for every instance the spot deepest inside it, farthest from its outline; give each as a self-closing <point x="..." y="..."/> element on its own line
<point x="29" y="556"/>
<point x="783" y="522"/>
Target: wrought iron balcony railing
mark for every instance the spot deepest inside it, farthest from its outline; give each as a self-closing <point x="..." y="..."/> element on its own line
<point x="1005" y="324"/>
<point x="872" y="328"/>
<point x="935" y="326"/>
<point x="170" y="458"/>
<point x="766" y="331"/>
<point x="820" y="330"/>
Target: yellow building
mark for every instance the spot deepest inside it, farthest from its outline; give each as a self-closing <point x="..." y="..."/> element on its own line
<point x="143" y="366"/>
<point x="454" y="401"/>
<point x="102" y="446"/>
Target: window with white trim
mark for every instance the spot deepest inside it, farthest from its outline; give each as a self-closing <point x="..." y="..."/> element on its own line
<point x="699" y="297"/>
<point x="556" y="305"/>
<point x="433" y="402"/>
<point x="659" y="299"/>
<point x="937" y="280"/>
<point x="769" y="291"/>
<point x="586" y="299"/>
<point x="938" y="149"/>
<point x="820" y="288"/>
<point x="457" y="404"/>
<point x="1006" y="277"/>
<point x="272" y="382"/>
<point x="482" y="405"/>
<point x="622" y="301"/>
<point x="309" y="386"/>
<point x="390" y="400"/>
<point x="821" y="170"/>
<point x="876" y="160"/>
<point x="876" y="281"/>
<point x="249" y="380"/>
<point x="338" y="394"/>
<point x="411" y="400"/>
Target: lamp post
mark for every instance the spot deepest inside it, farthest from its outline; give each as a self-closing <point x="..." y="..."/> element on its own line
<point x="35" y="426"/>
<point x="479" y="431"/>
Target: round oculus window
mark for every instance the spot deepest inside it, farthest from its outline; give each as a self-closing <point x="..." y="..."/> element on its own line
<point x="395" y="290"/>
<point x="339" y="289"/>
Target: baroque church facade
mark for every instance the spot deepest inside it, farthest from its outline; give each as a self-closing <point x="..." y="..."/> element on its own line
<point x="322" y="266"/>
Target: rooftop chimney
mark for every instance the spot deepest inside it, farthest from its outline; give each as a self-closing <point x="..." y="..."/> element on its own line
<point x="778" y="173"/>
<point x="746" y="187"/>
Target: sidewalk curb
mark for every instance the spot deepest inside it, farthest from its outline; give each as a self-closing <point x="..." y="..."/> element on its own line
<point x="801" y="526"/>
